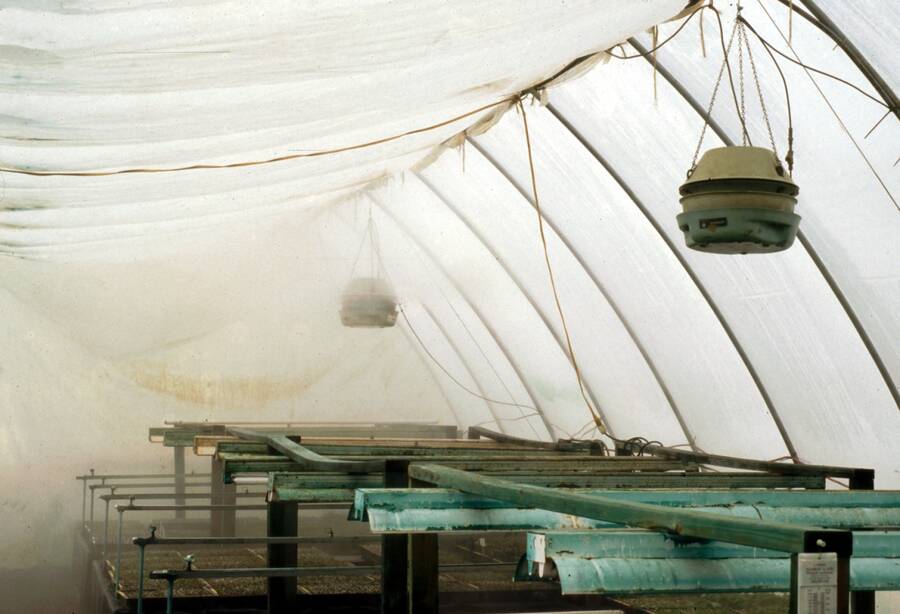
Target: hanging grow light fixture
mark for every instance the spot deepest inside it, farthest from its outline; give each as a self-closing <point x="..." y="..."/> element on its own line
<point x="369" y="302"/>
<point x="739" y="199"/>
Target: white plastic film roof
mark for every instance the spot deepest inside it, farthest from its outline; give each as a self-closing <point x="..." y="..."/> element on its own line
<point x="213" y="293"/>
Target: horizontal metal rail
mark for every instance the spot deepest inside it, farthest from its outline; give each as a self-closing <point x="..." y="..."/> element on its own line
<point x="487" y="449"/>
<point x="132" y="497"/>
<point x="678" y="521"/>
<point x="121" y="509"/>
<point x="720" y="460"/>
<point x="642" y="544"/>
<point x="416" y="511"/>
<point x="153" y="540"/>
<point x="183" y="435"/>
<point x="112" y="485"/>
<point x="578" y="576"/>
<point x="131" y="507"/>
<point x="267" y="464"/>
<point x="314" y="495"/>
<point x="384" y="520"/>
<point x="504" y="467"/>
<point x="153" y="496"/>
<point x="137" y="476"/>
<point x="281" y="491"/>
<point x="306" y="424"/>
<point x="171" y="575"/>
<point x="305" y="457"/>
<point x="442" y="498"/>
<point x="637" y="561"/>
<point x="119" y="486"/>
<point x="476" y="432"/>
<point x="522" y="464"/>
<point x="365" y="449"/>
<point x="218" y="507"/>
<point x="192" y="507"/>
<point x="287" y="572"/>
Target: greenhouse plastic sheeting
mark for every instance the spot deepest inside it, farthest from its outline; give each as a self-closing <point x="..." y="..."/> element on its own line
<point x="213" y="293"/>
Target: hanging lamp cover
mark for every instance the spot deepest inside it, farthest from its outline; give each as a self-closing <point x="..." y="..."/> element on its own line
<point x="368" y="302"/>
<point x="739" y="200"/>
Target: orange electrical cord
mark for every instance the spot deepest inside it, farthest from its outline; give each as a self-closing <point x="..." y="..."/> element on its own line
<point x="595" y="415"/>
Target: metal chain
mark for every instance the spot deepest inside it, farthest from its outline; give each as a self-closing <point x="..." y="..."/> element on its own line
<point x="762" y="102"/>
<point x="712" y="102"/>
<point x="742" y="109"/>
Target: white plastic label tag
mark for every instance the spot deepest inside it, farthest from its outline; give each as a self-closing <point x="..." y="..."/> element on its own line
<point x="817" y="583"/>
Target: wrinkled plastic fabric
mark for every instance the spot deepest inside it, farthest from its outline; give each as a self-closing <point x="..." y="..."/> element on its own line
<point x="214" y="294"/>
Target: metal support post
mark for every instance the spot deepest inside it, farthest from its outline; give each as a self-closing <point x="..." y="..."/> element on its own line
<point x="281" y="521"/>
<point x="170" y="596"/>
<point x="862" y="602"/>
<point x="102" y="482"/>
<point x="106" y="524"/>
<point x="843" y="584"/>
<point x="222" y="522"/>
<point x="119" y="551"/>
<point x="83" y="501"/>
<point x="140" y="595"/>
<point x="229" y="516"/>
<point x="178" y="451"/>
<point x="395" y="551"/>
<point x="423" y="585"/>
<point x="216" y="489"/>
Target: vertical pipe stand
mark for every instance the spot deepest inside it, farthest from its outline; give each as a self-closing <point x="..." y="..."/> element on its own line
<point x="281" y="521"/>
<point x="863" y="602"/>
<point x="216" y="489"/>
<point x="424" y="583"/>
<point x="229" y="516"/>
<point x="395" y="551"/>
<point x="140" y="594"/>
<point x="178" y="451"/>
<point x="170" y="596"/>
<point x="119" y="551"/>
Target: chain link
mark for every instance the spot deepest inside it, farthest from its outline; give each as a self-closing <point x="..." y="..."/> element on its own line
<point x="762" y="102"/>
<point x="712" y="102"/>
<point x="742" y="108"/>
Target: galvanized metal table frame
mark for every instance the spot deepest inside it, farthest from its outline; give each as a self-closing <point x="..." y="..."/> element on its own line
<point x="520" y="474"/>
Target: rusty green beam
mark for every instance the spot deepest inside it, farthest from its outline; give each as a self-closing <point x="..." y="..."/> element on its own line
<point x="306" y="457"/>
<point x="678" y="521"/>
<point x="719" y="460"/>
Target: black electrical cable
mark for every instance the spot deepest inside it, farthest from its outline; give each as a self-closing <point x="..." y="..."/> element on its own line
<point x="769" y="45"/>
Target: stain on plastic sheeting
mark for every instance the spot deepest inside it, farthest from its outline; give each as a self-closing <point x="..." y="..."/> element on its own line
<point x="498" y="85"/>
<point x="220" y="390"/>
<point x="13" y="506"/>
<point x="31" y="139"/>
<point x="15" y="120"/>
<point x="28" y="56"/>
<point x="19" y="204"/>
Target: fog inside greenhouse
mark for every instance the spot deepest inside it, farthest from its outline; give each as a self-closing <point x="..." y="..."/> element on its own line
<point x="133" y="299"/>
